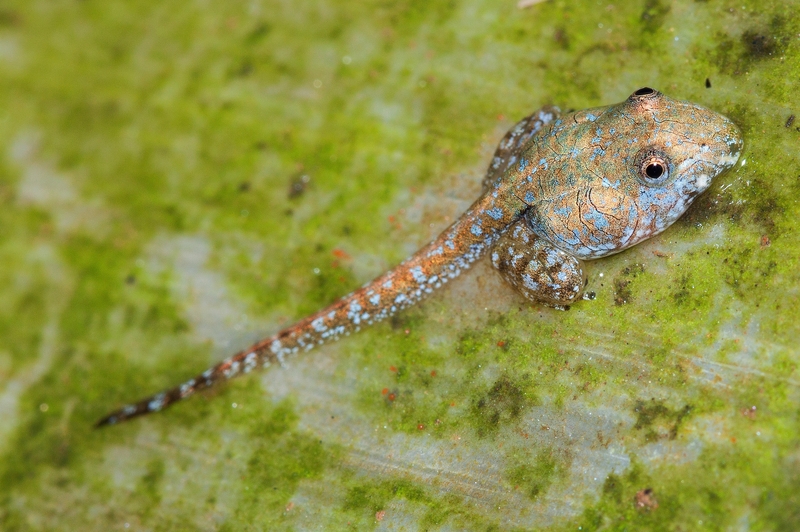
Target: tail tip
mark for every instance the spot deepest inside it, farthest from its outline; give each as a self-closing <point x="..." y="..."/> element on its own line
<point x="118" y="416"/>
<point x="108" y="420"/>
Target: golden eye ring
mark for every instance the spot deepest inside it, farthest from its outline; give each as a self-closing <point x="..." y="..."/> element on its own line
<point x="654" y="168"/>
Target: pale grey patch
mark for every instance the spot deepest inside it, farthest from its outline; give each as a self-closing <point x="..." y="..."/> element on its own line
<point x="208" y="306"/>
<point x="10" y="50"/>
<point x="43" y="185"/>
<point x="41" y="258"/>
<point x="15" y="386"/>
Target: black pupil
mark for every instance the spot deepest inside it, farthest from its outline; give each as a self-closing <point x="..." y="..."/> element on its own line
<point x="644" y="91"/>
<point x="654" y="171"/>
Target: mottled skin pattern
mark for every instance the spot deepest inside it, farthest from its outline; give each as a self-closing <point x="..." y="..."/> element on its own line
<point x="559" y="190"/>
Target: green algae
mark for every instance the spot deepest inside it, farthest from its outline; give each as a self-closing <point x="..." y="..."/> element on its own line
<point x="653" y="413"/>
<point x="281" y="460"/>
<point x="365" y="500"/>
<point x="535" y="473"/>
<point x="189" y="122"/>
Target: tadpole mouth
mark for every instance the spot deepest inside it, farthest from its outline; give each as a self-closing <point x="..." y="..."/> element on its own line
<point x="722" y="151"/>
<point x="729" y="154"/>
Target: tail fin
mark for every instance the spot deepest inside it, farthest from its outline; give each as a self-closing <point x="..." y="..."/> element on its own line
<point x="430" y="268"/>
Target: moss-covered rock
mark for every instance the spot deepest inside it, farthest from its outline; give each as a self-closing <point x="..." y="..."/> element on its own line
<point x="177" y="180"/>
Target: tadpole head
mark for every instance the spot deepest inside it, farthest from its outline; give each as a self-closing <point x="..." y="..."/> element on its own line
<point x="679" y="149"/>
<point x="683" y="146"/>
<point x="666" y="153"/>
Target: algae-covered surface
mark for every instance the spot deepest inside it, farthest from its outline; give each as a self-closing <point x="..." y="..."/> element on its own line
<point x="178" y="179"/>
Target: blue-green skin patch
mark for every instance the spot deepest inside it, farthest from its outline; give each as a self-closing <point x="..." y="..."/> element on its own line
<point x="558" y="191"/>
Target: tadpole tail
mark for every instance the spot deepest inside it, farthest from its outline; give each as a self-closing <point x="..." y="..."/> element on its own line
<point x="258" y="355"/>
<point x="430" y="268"/>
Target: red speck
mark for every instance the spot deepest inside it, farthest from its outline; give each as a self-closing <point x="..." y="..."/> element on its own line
<point x="394" y="222"/>
<point x="765" y="241"/>
<point x="380" y="514"/>
<point x="433" y="373"/>
<point x="392" y="397"/>
<point x="340" y="254"/>
<point x="501" y="117"/>
<point x="408" y="331"/>
<point x="501" y="343"/>
<point x="384" y="391"/>
<point x="453" y="403"/>
<point x="289" y="507"/>
<point x="420" y="427"/>
<point x="393" y="369"/>
<point x="733" y="440"/>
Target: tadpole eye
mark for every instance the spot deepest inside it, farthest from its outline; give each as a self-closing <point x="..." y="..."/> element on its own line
<point x="654" y="167"/>
<point x="654" y="170"/>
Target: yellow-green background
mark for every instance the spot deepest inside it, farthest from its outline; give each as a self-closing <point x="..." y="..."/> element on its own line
<point x="147" y="151"/>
